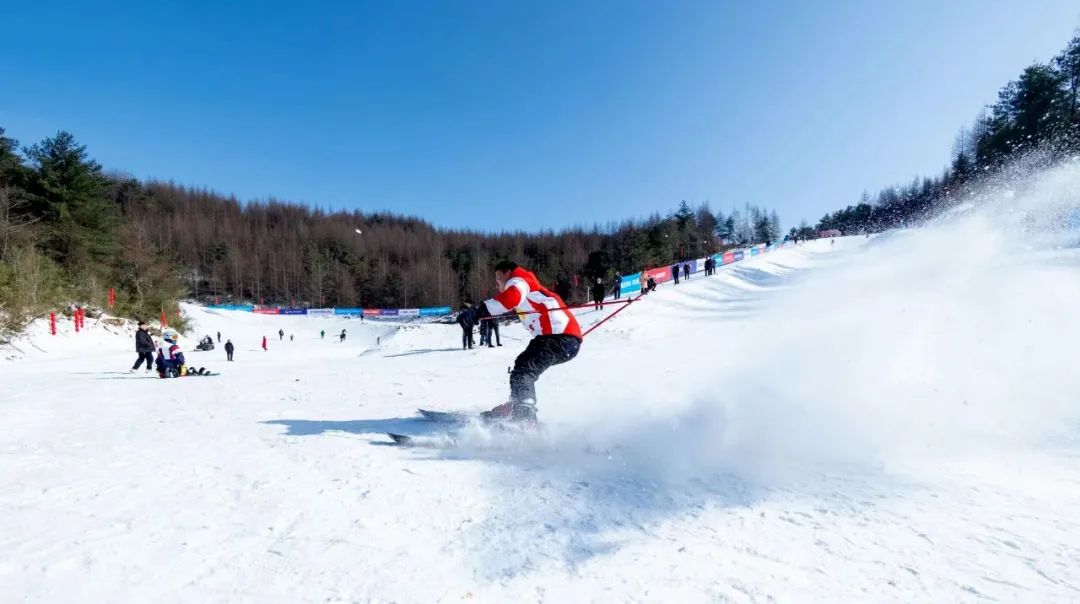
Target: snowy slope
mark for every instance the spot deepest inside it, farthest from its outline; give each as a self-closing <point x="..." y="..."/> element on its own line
<point x="890" y="419"/>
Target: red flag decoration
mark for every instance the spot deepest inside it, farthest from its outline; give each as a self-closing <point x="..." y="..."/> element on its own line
<point x="75" y="317"/>
<point x="164" y="323"/>
<point x="52" y="323"/>
<point x="112" y="297"/>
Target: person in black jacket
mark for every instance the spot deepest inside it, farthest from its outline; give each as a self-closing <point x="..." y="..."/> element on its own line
<point x="229" y="348"/>
<point x="467" y="341"/>
<point x="144" y="346"/>
<point x="675" y="273"/>
<point x="685" y="270"/>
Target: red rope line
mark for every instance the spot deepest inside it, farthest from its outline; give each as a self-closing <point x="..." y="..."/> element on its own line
<point x="611" y="316"/>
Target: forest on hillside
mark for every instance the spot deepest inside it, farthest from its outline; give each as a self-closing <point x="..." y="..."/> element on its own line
<point x="1039" y="112"/>
<point x="70" y="232"/>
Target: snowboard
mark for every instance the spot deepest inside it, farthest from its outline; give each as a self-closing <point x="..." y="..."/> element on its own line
<point x="437" y="441"/>
<point x="449" y="417"/>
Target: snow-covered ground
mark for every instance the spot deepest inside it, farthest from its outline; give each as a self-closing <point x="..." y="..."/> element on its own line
<point x="886" y="419"/>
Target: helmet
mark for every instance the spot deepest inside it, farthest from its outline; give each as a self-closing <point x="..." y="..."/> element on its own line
<point x="169" y="335"/>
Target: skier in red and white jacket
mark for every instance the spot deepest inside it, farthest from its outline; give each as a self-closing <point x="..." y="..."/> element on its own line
<point x="556" y="335"/>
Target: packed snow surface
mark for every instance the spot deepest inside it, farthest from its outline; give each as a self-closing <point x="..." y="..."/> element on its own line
<point x="880" y="419"/>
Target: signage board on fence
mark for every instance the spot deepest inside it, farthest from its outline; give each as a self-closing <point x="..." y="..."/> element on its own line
<point x="265" y="310"/>
<point x="388" y="312"/>
<point x="349" y="311"/>
<point x="435" y="312"/>
<point x="739" y="255"/>
<point x="239" y="307"/>
<point x="293" y="311"/>
<point x="409" y="312"/>
<point x="659" y="274"/>
<point x="754" y="251"/>
<point x="629" y="284"/>
<point x="320" y="312"/>
<point x="371" y="312"/>
<point x="728" y="257"/>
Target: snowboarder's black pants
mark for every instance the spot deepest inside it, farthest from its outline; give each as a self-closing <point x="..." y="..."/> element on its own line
<point x="144" y="356"/>
<point x="467" y="340"/>
<point x="229" y="355"/>
<point x="493" y="330"/>
<point x="541" y="353"/>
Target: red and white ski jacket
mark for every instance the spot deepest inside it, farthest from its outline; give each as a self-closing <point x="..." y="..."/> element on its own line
<point x="542" y="311"/>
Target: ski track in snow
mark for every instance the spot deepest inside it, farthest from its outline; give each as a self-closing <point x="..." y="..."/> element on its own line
<point x="678" y="462"/>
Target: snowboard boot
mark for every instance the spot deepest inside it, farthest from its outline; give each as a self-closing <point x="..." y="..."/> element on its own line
<point x="523" y="413"/>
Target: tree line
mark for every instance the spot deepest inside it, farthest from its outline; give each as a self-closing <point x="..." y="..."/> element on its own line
<point x="69" y="232"/>
<point x="1037" y="112"/>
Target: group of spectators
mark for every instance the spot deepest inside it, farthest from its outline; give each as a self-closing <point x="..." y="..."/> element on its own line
<point x="489" y="333"/>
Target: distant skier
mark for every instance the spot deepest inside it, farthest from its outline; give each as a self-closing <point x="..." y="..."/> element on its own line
<point x="675" y="274"/>
<point x="556" y="335"/>
<point x="322" y="334"/>
<point x="229" y="348"/>
<point x="280" y="334"/>
<point x="144" y="347"/>
<point x="685" y="271"/>
<point x="616" y="287"/>
<point x="342" y="336"/>
<point x="264" y="344"/>
<point x="290" y="337"/>
<point x="219" y="337"/>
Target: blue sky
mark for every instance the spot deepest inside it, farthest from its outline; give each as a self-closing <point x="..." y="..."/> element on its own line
<point x="520" y="115"/>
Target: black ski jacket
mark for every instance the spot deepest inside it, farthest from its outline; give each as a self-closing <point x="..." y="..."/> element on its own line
<point x="143" y="341"/>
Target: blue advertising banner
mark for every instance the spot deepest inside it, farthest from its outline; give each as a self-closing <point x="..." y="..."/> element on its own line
<point x="240" y="307"/>
<point x="629" y="284"/>
<point x="348" y="311"/>
<point x="738" y="255"/>
<point x="292" y="311"/>
<point x="754" y="251"/>
<point x="388" y="312"/>
<point x="434" y="312"/>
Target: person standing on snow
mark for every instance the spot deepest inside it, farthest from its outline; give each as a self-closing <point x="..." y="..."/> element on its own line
<point x="280" y="334"/>
<point x="322" y="334"/>
<point x="556" y="335"/>
<point x="493" y="330"/>
<point x="219" y="337"/>
<point x="229" y="348"/>
<point x="342" y="336"/>
<point x="144" y="347"/>
<point x="675" y="273"/>
<point x="483" y="333"/>
<point x="598" y="294"/>
<point x="685" y="271"/>
<point x="467" y="341"/>
<point x="264" y="343"/>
